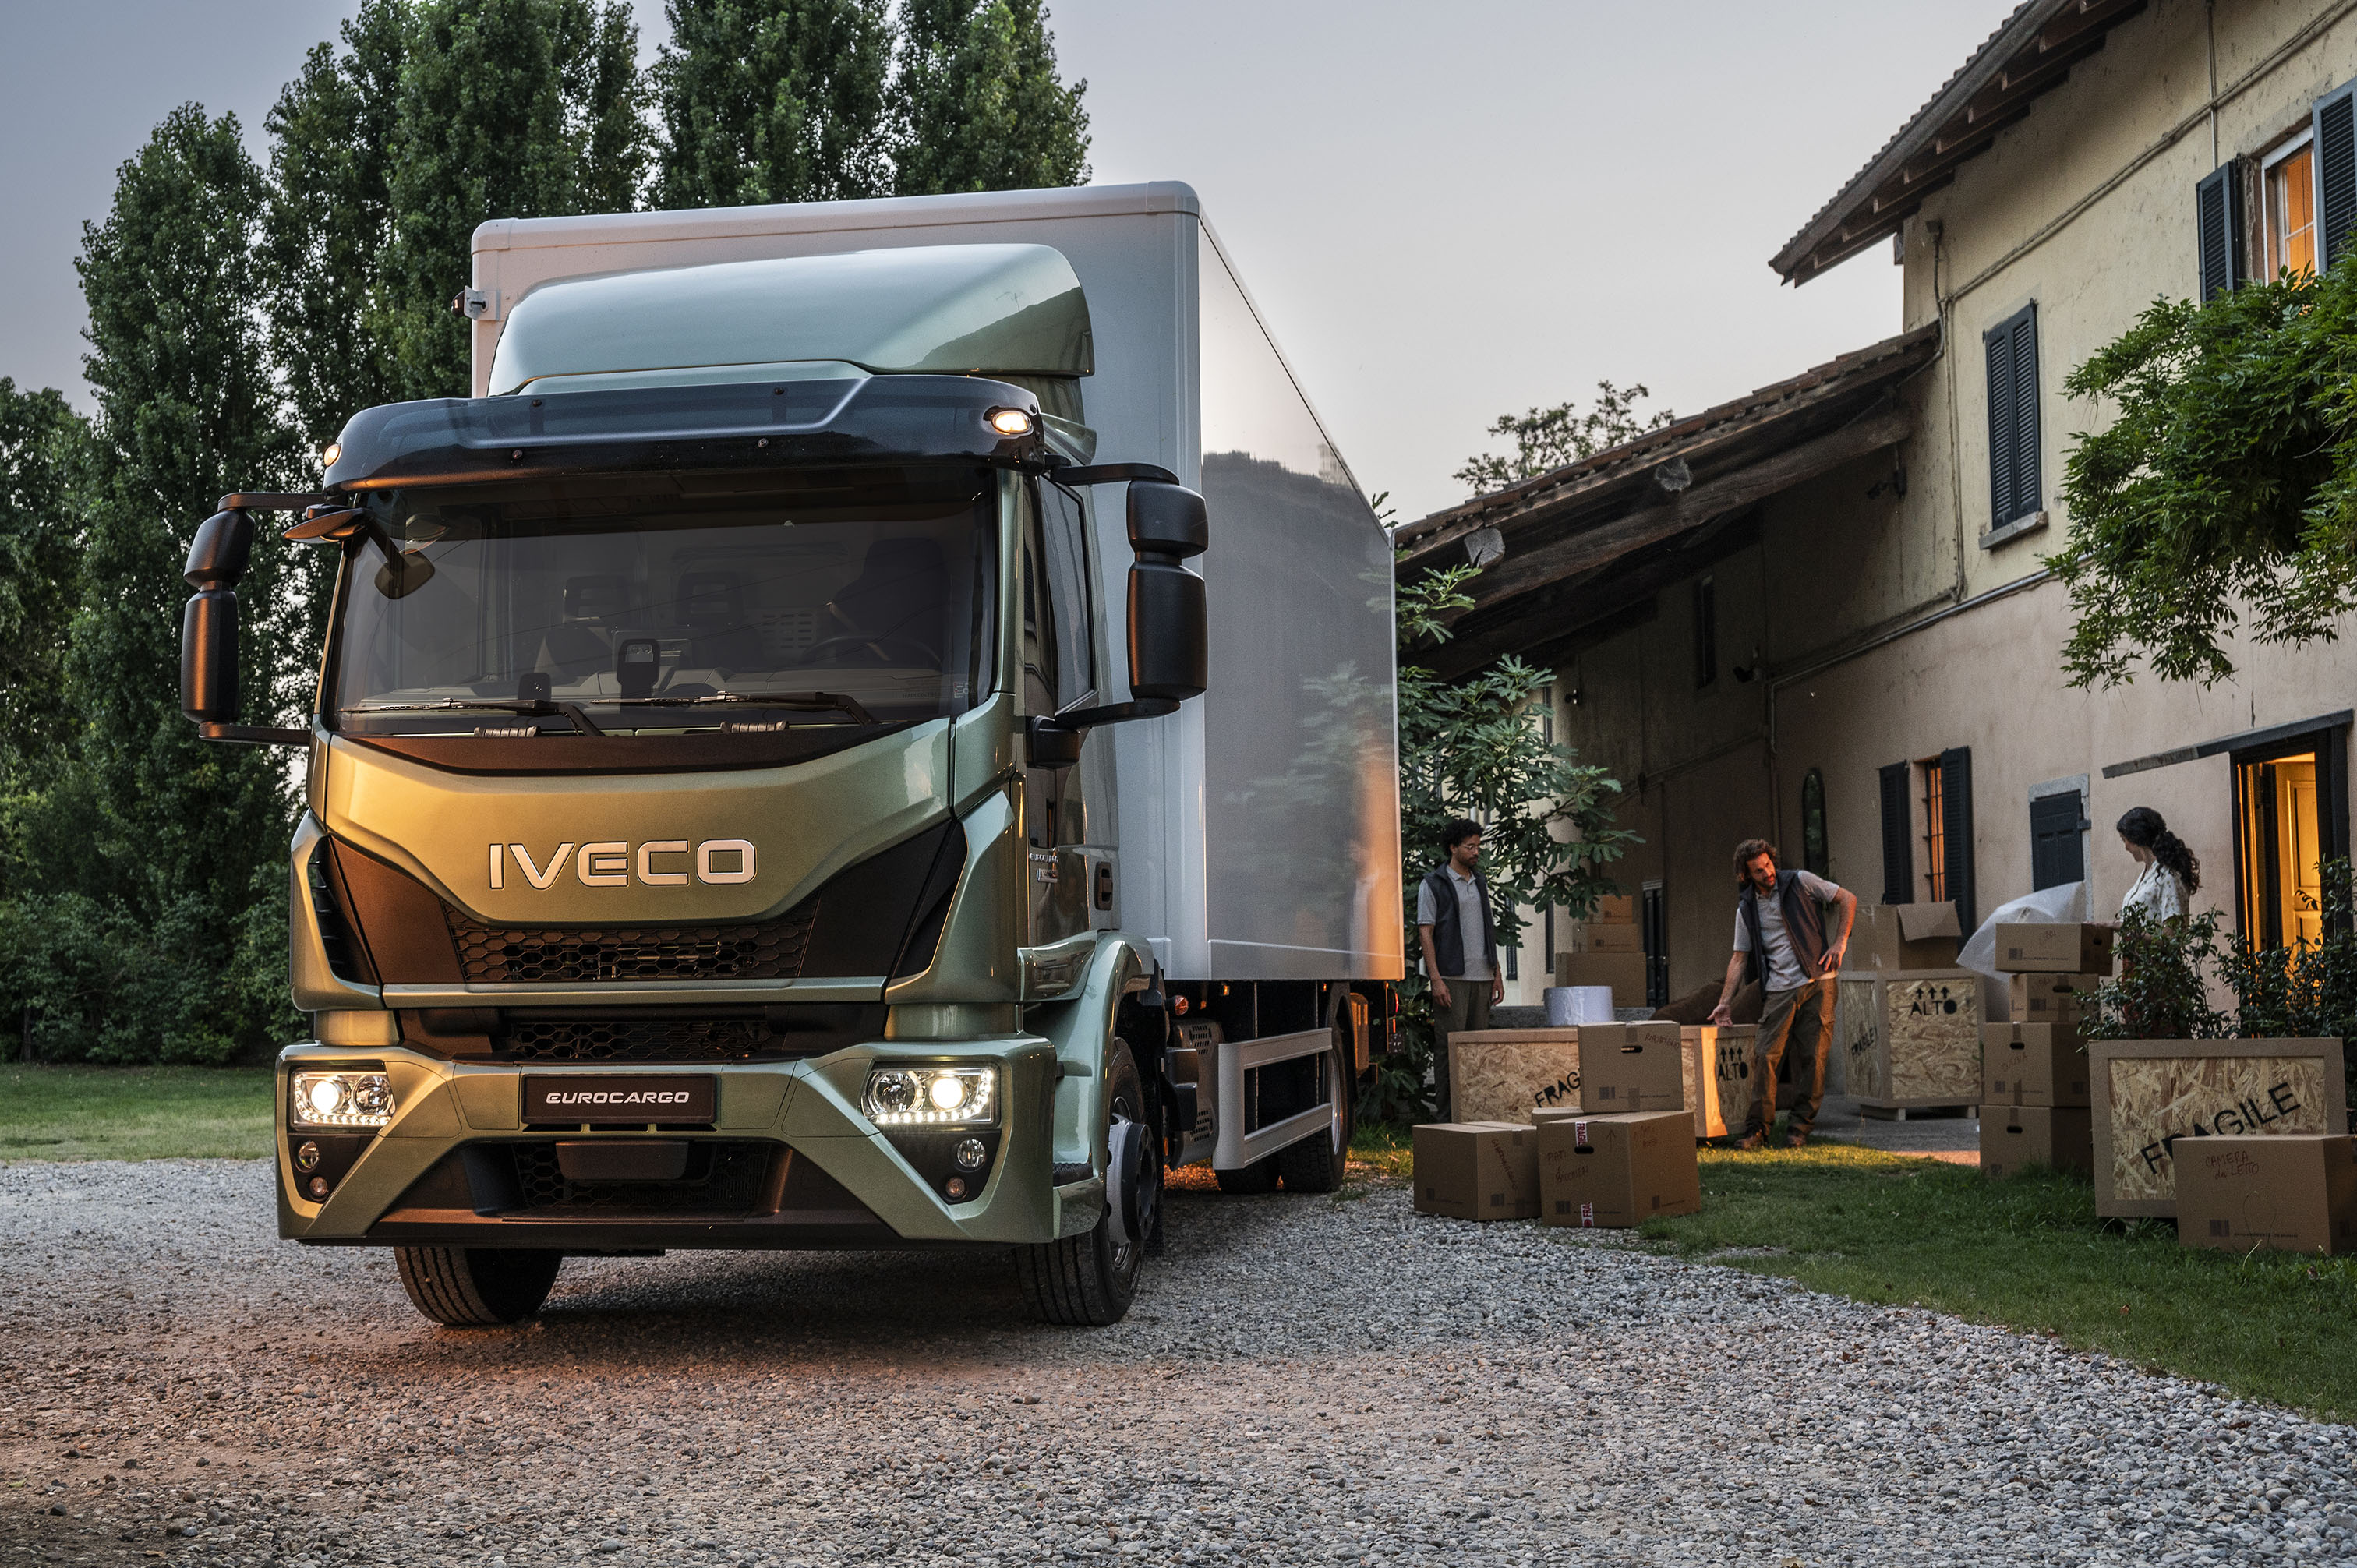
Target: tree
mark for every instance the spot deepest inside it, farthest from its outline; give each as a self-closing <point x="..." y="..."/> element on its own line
<point x="41" y="448"/>
<point x="138" y="874"/>
<point x="1550" y="438"/>
<point x="978" y="104"/>
<point x="1473" y="749"/>
<point x="508" y="109"/>
<point x="2224" y="487"/>
<point x="773" y="100"/>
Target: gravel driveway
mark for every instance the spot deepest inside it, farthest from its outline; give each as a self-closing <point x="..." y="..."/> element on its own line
<point x="1304" y="1380"/>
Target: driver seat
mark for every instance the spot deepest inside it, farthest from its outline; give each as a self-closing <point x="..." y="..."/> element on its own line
<point x="901" y="591"/>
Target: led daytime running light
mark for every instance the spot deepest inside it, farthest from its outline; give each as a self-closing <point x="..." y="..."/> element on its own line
<point x="932" y="1096"/>
<point x="330" y="1101"/>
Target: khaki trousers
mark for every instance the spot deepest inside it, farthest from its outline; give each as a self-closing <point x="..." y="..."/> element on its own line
<point x="1803" y="1017"/>
<point x="1468" y="1009"/>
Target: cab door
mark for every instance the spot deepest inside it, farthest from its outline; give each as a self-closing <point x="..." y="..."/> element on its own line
<point x="1059" y="659"/>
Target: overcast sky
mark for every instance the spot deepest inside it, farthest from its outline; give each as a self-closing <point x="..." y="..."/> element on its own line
<point x="1445" y="212"/>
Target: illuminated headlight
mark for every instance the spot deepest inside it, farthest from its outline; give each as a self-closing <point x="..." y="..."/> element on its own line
<point x="932" y="1096"/>
<point x="333" y="1099"/>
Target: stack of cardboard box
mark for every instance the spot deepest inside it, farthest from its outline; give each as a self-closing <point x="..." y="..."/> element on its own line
<point x="2035" y="1084"/>
<point x="1607" y="948"/>
<point x="1577" y="1166"/>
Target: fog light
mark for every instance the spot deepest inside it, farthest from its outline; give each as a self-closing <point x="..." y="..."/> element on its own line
<point x="324" y="1101"/>
<point x="932" y="1097"/>
<point x="318" y="1186"/>
<point x="955" y="1187"/>
<point x="306" y="1158"/>
<point x="971" y="1153"/>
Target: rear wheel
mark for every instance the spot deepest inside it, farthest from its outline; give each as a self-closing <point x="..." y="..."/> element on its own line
<point x="1250" y="1180"/>
<point x="477" y="1287"/>
<point x="1315" y="1165"/>
<point x="1089" y="1280"/>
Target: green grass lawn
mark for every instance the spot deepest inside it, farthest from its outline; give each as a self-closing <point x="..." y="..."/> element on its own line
<point x="134" y="1114"/>
<point x="2028" y="1252"/>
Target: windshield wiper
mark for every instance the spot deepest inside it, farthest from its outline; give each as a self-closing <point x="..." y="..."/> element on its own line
<point x="533" y="708"/>
<point x="809" y="702"/>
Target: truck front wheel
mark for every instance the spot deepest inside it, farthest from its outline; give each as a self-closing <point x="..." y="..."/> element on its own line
<point x="1090" y="1279"/>
<point x="477" y="1287"/>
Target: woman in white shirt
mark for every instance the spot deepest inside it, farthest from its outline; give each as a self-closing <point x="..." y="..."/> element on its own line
<point x="2170" y="876"/>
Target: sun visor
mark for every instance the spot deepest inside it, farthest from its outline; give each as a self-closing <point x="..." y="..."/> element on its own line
<point x="933" y="309"/>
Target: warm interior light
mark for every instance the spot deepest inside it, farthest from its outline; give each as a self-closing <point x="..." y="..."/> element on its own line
<point x="1011" y="422"/>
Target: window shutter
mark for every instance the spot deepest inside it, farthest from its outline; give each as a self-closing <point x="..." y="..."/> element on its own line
<point x="2218" y="225"/>
<point x="2336" y="170"/>
<point x="2025" y="413"/>
<point x="1999" y="345"/>
<point x="2057" y="852"/>
<point x="1898" y="834"/>
<point x="1956" y="829"/>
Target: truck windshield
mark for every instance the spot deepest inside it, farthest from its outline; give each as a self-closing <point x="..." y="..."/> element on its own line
<point x="663" y="611"/>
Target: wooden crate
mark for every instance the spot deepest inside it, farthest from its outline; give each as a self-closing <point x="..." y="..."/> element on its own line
<point x="1502" y="1075"/>
<point x="1910" y="1040"/>
<point x="2151" y="1093"/>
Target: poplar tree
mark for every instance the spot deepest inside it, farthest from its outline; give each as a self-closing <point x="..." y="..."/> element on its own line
<point x="773" y="100"/>
<point x="508" y="109"/>
<point x="41" y="448"/>
<point x="978" y="103"/>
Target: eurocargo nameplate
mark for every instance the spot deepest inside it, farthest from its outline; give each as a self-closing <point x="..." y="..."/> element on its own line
<point x="620" y="1100"/>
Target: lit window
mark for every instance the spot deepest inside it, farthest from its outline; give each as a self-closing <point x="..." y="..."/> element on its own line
<point x="1936" y="835"/>
<point x="2290" y="182"/>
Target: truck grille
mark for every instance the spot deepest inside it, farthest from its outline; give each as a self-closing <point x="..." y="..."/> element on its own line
<point x="723" y="1178"/>
<point x="511" y="955"/>
<point x="641" y="1040"/>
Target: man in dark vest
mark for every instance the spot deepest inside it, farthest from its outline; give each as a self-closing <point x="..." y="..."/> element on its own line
<point x="1459" y="938"/>
<point x="1781" y="932"/>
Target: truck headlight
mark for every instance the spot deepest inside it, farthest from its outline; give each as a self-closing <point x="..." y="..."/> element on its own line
<point x="325" y="1101"/>
<point x="932" y="1096"/>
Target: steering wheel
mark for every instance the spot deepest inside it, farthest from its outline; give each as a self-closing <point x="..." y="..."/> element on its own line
<point x="811" y="655"/>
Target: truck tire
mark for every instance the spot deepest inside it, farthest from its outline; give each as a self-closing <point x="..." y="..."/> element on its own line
<point x="476" y="1287"/>
<point x="1250" y="1180"/>
<point x="1315" y="1165"/>
<point x="1088" y="1280"/>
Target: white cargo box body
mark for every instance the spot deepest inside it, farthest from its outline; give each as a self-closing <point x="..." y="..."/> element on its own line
<point x="1258" y="827"/>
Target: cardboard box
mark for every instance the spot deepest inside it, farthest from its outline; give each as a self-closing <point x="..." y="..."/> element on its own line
<point x="1632" y="1066"/>
<point x="2032" y="1064"/>
<point x="2296" y="1193"/>
<point x="1597" y="939"/>
<point x="1614" y="910"/>
<point x="1700" y="1053"/>
<point x="1623" y="972"/>
<point x="1910" y="1040"/>
<point x="1476" y="1170"/>
<point x="2066" y="1001"/>
<point x="2031" y="949"/>
<point x="2012" y="1136"/>
<point x="1737" y="1049"/>
<point x="1903" y="936"/>
<point x="2152" y="1096"/>
<point x="1504" y="1075"/>
<point x="1546" y="1113"/>
<point x="1618" y="1171"/>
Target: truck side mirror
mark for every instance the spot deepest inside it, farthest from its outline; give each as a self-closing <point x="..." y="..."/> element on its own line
<point x="217" y="560"/>
<point x="1169" y="638"/>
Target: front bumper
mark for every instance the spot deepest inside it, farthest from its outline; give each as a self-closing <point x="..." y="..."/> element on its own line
<point x="788" y="1160"/>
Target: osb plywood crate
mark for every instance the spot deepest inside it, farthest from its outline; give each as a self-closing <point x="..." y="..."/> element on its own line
<point x="1719" y="1075"/>
<point x="1910" y="1040"/>
<point x="2149" y="1094"/>
<point x="1502" y="1075"/>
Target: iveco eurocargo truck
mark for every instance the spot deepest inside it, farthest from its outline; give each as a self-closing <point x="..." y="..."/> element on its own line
<point x="872" y="727"/>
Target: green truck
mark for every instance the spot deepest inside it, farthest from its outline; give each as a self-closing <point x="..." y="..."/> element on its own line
<point x="872" y="728"/>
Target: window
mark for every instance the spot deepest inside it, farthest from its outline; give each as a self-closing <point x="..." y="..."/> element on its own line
<point x="1815" y="852"/>
<point x="1706" y="612"/>
<point x="2288" y="186"/>
<point x="1935" y="838"/>
<point x="2058" y="828"/>
<point x="2011" y="348"/>
<point x="2292" y="814"/>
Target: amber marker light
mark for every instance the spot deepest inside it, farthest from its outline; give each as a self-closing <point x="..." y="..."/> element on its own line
<point x="1010" y="422"/>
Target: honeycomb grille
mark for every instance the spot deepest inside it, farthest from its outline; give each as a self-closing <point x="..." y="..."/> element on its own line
<point x="725" y="1178"/>
<point x="640" y="1040"/>
<point x="515" y="955"/>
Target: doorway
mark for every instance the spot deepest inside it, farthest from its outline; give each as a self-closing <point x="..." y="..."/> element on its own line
<point x="2290" y="816"/>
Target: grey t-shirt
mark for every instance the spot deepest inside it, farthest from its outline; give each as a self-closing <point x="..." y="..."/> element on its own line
<point x="1469" y="921"/>
<point x="1784" y="971"/>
